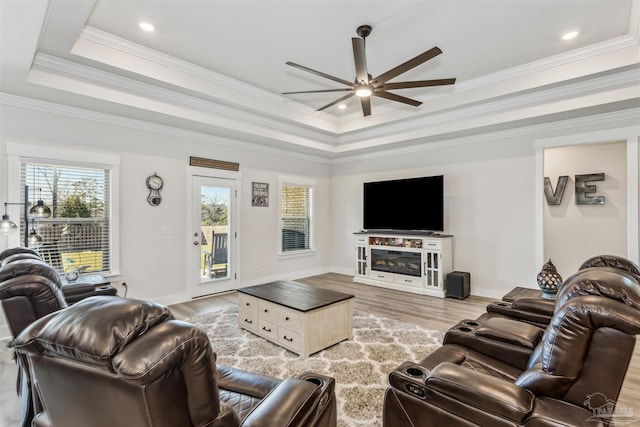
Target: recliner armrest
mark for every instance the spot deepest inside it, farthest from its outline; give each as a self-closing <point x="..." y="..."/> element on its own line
<point x="481" y="391"/>
<point x="535" y="305"/>
<point x="531" y="310"/>
<point x="293" y="402"/>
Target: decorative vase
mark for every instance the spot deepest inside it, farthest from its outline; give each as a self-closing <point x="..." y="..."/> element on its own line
<point x="549" y="280"/>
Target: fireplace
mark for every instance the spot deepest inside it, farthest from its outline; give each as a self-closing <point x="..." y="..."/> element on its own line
<point x="400" y="262"/>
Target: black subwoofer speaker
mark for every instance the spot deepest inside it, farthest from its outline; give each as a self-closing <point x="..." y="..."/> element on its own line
<point x="458" y="284"/>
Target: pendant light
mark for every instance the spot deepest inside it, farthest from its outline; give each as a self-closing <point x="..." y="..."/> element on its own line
<point x="6" y="225"/>
<point x="39" y="210"/>
<point x="34" y="240"/>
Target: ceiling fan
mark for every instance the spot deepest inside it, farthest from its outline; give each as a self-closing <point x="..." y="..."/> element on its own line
<point x="365" y="86"/>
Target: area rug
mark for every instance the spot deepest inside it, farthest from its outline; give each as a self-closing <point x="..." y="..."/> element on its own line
<point x="360" y="366"/>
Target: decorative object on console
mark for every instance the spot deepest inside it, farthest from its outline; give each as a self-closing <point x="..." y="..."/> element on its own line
<point x="549" y="280"/>
<point x="154" y="184"/>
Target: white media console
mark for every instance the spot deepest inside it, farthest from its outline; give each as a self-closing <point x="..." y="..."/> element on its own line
<point x="406" y="262"/>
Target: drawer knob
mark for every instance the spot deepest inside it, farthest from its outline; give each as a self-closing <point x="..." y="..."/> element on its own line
<point x="248" y="303"/>
<point x="266" y="311"/>
<point x="248" y="321"/>
<point x="288" y="339"/>
<point x="286" y="318"/>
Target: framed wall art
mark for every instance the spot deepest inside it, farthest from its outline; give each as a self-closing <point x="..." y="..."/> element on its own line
<point x="260" y="194"/>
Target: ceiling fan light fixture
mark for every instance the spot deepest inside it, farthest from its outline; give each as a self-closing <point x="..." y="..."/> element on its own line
<point x="364" y="91"/>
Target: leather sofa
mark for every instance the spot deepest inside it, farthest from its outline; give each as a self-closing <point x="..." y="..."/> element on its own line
<point x="112" y="361"/>
<point x="539" y="311"/>
<point x="513" y="374"/>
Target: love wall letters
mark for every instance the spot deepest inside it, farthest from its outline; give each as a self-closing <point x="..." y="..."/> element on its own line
<point x="584" y="190"/>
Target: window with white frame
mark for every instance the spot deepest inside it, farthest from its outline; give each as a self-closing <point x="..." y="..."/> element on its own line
<point x="296" y="214"/>
<point x="76" y="235"/>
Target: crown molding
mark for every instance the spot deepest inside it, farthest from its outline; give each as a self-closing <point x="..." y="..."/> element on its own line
<point x="93" y="42"/>
<point x="558" y="126"/>
<point x="115" y="120"/>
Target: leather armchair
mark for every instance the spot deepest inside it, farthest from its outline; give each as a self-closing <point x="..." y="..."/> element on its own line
<point x="73" y="292"/>
<point x="585" y="350"/>
<point x="111" y="361"/>
<point x="538" y="311"/>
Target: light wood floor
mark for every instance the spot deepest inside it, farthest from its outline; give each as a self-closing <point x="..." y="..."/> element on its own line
<point x="433" y="313"/>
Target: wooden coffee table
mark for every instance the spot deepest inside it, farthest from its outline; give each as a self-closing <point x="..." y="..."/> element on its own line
<point x="301" y="318"/>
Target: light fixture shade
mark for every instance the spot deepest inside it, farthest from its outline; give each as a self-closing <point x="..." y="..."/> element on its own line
<point x="40" y="210"/>
<point x="364" y="91"/>
<point x="6" y="225"/>
<point x="35" y="240"/>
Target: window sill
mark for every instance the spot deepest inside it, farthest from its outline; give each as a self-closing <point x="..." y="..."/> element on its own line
<point x="296" y="254"/>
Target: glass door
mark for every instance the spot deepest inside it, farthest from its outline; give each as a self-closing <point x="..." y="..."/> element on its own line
<point x="212" y="235"/>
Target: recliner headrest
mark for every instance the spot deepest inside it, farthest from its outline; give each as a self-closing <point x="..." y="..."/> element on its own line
<point x="29" y="266"/>
<point x="612" y="261"/>
<point x="94" y="329"/>
<point x="607" y="282"/>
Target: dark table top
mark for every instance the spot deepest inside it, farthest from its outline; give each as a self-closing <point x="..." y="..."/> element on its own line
<point x="294" y="295"/>
<point x="520" y="292"/>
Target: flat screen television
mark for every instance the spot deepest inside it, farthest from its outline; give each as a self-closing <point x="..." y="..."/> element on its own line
<point x="413" y="204"/>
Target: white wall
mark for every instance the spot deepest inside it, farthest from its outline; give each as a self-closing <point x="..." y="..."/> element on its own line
<point x="153" y="263"/>
<point x="490" y="196"/>
<point x="572" y="232"/>
<point x="488" y="207"/>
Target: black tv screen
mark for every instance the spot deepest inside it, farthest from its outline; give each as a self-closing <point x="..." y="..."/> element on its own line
<point x="405" y="204"/>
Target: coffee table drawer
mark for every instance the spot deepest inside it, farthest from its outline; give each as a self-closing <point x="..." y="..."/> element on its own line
<point x="289" y="339"/>
<point x="268" y="310"/>
<point x="248" y="320"/>
<point x="248" y="303"/>
<point x="290" y="319"/>
<point x="267" y="329"/>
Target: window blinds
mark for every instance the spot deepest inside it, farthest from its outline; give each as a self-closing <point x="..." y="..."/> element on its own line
<point x="78" y="232"/>
<point x="295" y="217"/>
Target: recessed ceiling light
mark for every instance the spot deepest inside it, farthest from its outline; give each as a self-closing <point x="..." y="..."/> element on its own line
<point x="145" y="26"/>
<point x="570" y="35"/>
<point x="342" y="106"/>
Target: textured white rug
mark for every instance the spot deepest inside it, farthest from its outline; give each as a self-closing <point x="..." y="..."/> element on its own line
<point x="360" y="366"/>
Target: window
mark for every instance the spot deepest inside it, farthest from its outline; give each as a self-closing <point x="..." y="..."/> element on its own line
<point x="296" y="219"/>
<point x="77" y="233"/>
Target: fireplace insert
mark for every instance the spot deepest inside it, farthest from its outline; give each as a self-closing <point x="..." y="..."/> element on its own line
<point x="400" y="262"/>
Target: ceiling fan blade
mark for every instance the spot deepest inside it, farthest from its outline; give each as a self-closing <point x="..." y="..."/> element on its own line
<point x="417" y="83"/>
<point x="337" y="101"/>
<point x="397" y="98"/>
<point x="365" y="102"/>
<point x="317" y="91"/>
<point x="320" y="73"/>
<point x="406" y="66"/>
<point x="360" y="60"/>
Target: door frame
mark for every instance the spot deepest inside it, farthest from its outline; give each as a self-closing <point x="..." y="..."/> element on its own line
<point x="234" y="251"/>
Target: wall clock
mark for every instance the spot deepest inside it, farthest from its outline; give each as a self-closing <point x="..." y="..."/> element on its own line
<point x="154" y="184"/>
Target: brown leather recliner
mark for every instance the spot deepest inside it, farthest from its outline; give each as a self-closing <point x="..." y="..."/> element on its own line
<point x="73" y="292"/>
<point x="111" y="361"/>
<point x="585" y="351"/>
<point x="538" y="311"/>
